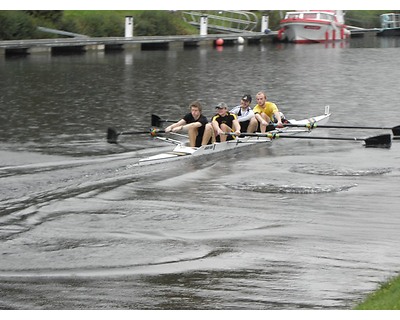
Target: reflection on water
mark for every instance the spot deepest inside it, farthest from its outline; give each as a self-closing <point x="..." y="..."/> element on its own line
<point x="293" y="225"/>
<point x="372" y="41"/>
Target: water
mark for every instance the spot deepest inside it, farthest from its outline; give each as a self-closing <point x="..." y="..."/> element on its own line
<point x="300" y="224"/>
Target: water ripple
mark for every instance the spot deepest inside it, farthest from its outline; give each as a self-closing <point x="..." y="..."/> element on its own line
<point x="282" y="189"/>
<point x="328" y="170"/>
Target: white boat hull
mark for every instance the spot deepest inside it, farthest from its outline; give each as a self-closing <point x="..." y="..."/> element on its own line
<point x="183" y="151"/>
<point x="313" y="32"/>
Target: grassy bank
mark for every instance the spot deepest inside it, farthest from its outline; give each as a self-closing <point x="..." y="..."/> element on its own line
<point x="387" y="297"/>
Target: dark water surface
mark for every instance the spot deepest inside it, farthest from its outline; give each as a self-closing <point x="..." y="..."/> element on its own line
<point x="296" y="225"/>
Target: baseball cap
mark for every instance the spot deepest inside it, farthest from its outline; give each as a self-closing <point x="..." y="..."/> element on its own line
<point x="246" y="97"/>
<point x="221" y="105"/>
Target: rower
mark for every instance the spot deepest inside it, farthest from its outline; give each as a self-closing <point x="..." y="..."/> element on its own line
<point x="264" y="112"/>
<point x="245" y="115"/>
<point x="223" y="122"/>
<point x="193" y="123"/>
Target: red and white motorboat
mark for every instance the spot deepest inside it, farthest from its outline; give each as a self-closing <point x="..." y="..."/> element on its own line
<point x="313" y="26"/>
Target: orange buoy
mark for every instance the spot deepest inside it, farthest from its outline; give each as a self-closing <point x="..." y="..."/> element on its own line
<point x="219" y="42"/>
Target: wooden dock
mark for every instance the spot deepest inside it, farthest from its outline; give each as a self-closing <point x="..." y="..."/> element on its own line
<point x="82" y="44"/>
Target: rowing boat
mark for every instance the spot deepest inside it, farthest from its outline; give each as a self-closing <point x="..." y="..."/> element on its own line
<point x="297" y="129"/>
<point x="182" y="150"/>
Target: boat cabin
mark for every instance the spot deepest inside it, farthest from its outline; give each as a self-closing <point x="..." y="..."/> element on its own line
<point x="310" y="15"/>
<point x="390" y="20"/>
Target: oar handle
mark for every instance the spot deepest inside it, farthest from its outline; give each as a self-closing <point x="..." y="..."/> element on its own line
<point x="134" y="132"/>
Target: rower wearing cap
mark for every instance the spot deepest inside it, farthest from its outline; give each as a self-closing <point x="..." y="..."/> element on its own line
<point x="222" y="122"/>
<point x="245" y="114"/>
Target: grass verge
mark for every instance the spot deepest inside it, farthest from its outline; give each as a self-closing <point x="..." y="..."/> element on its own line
<point x="387" y="297"/>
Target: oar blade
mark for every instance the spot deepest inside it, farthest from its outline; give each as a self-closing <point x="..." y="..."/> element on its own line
<point x="155" y="121"/>
<point x="381" y="141"/>
<point x="396" y="132"/>
<point x="112" y="135"/>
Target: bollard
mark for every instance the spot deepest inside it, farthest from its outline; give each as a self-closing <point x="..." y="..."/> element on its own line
<point x="203" y="25"/>
<point x="264" y="23"/>
<point x="128" y="27"/>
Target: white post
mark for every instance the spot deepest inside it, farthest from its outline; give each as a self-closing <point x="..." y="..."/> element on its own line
<point x="264" y="23"/>
<point x="203" y="25"/>
<point x="128" y="27"/>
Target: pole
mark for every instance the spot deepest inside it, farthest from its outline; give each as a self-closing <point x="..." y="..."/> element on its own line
<point x="264" y="23"/>
<point x="203" y="25"/>
<point x="128" y="27"/>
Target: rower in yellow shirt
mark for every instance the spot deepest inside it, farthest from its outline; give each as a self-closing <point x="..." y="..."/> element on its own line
<point x="265" y="112"/>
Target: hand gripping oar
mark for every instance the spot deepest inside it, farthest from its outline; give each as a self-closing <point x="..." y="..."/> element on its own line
<point x="156" y="121"/>
<point x="312" y="125"/>
<point x="112" y="134"/>
<point x="381" y="141"/>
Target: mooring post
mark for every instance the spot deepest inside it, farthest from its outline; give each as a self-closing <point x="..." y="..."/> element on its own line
<point x="264" y="23"/>
<point x="128" y="27"/>
<point x="203" y="25"/>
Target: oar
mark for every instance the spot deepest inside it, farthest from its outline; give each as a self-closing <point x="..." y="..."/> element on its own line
<point x="112" y="134"/>
<point x="311" y="125"/>
<point x="381" y="141"/>
<point x="156" y="120"/>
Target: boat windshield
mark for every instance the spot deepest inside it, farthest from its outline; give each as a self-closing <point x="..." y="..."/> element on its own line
<point x="310" y="15"/>
<point x="292" y="16"/>
<point x="326" y="16"/>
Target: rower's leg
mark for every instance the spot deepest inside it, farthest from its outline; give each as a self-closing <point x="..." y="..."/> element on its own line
<point x="193" y="131"/>
<point x="226" y="129"/>
<point x="267" y="119"/>
<point x="252" y="125"/>
<point x="208" y="133"/>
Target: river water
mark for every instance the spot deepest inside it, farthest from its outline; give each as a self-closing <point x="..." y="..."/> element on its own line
<point x="298" y="224"/>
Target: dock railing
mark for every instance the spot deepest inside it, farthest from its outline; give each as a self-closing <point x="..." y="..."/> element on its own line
<point x="224" y="21"/>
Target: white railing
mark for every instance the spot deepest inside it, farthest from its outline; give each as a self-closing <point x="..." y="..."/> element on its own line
<point x="227" y="21"/>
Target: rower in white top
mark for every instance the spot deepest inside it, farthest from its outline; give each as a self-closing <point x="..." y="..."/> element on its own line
<point x="245" y="114"/>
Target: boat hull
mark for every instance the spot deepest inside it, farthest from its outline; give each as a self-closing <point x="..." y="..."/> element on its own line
<point x="309" y="32"/>
<point x="389" y="32"/>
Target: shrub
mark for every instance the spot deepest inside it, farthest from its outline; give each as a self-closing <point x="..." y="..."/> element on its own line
<point x="158" y="23"/>
<point x="16" y="25"/>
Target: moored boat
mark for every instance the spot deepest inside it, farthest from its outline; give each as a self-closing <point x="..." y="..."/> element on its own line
<point x="313" y="26"/>
<point x="390" y="24"/>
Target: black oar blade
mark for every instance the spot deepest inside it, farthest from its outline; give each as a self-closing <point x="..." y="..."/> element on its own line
<point x="381" y="141"/>
<point x="112" y="135"/>
<point x="155" y="121"/>
<point x="396" y="132"/>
